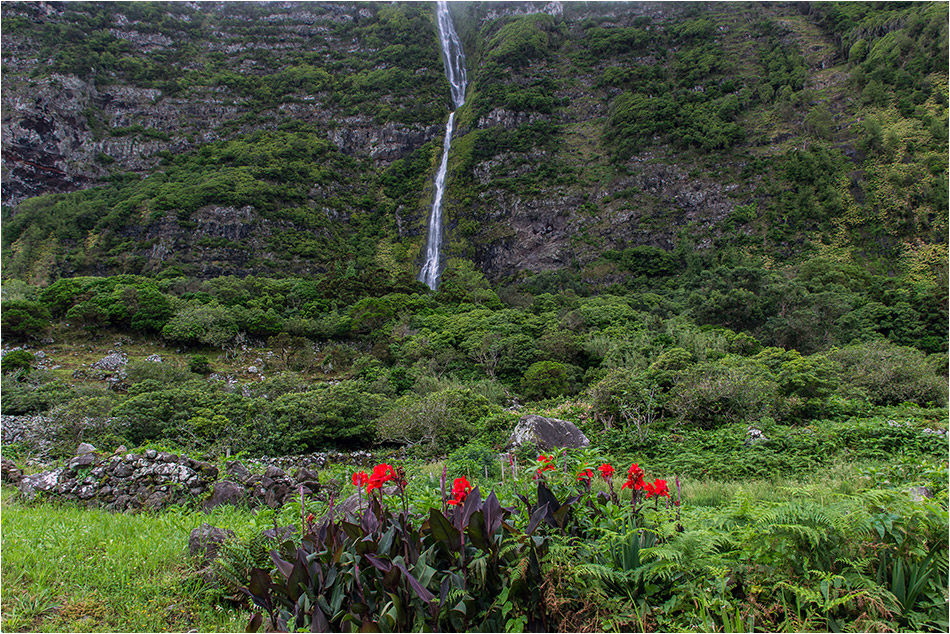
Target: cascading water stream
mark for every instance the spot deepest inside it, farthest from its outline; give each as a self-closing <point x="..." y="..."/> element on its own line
<point x="454" y="60"/>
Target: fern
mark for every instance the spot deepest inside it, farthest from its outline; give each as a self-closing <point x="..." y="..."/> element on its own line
<point x="236" y="558"/>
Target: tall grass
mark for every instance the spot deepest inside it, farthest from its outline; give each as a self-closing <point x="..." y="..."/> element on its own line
<point x="67" y="568"/>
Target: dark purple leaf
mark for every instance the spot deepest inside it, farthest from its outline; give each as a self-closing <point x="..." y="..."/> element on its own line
<point x="539" y="514"/>
<point x="443" y="531"/>
<point x="472" y="503"/>
<point x="255" y="623"/>
<point x="319" y="621"/>
<point x="420" y="590"/>
<point x="380" y="564"/>
<point x="284" y="567"/>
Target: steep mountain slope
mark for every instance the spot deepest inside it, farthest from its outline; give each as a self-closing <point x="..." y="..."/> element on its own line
<point x="752" y="126"/>
<point x="225" y="137"/>
<point x="292" y="138"/>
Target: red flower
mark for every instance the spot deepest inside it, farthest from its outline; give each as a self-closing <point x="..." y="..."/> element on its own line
<point x="606" y="471"/>
<point x="460" y="490"/>
<point x="382" y="473"/>
<point x="649" y="489"/>
<point x="360" y="478"/>
<point x="586" y="475"/>
<point x="310" y="518"/>
<point x="634" y="478"/>
<point x="546" y="465"/>
<point x="660" y="488"/>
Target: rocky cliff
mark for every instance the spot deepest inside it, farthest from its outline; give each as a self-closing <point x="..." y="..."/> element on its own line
<point x="247" y="138"/>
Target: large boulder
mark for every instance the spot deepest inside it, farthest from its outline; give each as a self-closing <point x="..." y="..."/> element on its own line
<point x="547" y="433"/>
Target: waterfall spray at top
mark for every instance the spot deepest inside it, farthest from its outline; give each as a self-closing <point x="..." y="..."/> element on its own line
<point x="455" y="72"/>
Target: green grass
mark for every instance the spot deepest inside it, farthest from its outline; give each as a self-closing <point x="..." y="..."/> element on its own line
<point x="67" y="568"/>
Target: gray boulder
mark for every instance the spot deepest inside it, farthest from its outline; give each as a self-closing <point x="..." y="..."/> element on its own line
<point x="32" y="485"/>
<point x="547" y="433"/>
<point x="225" y="492"/>
<point x="205" y="542"/>
<point x="237" y="470"/>
<point x="11" y="473"/>
<point x="85" y="448"/>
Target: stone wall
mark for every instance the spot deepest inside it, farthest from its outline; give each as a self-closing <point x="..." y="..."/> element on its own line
<point x="155" y="479"/>
<point x="132" y="481"/>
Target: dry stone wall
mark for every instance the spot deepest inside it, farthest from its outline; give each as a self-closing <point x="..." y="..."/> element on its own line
<point x="156" y="479"/>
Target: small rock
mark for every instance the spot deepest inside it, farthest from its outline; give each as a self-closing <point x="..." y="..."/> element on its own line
<point x="85" y="460"/>
<point x="237" y="469"/>
<point x="304" y="475"/>
<point x="274" y="473"/>
<point x="252" y="369"/>
<point x="919" y="494"/>
<point x="31" y="485"/>
<point x="225" y="492"/>
<point x="9" y="472"/>
<point x="754" y="437"/>
<point x="85" y="448"/>
<point x="120" y="450"/>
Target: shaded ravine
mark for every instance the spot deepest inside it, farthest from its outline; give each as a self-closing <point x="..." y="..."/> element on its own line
<point x="454" y="60"/>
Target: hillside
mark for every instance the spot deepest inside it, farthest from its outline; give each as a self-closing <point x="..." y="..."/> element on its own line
<point x="706" y="242"/>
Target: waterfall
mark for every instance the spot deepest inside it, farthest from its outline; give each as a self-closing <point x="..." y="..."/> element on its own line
<point x="454" y="60"/>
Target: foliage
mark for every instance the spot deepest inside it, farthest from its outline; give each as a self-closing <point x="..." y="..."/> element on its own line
<point x="24" y="318"/>
<point x="891" y="374"/>
<point x="329" y="414"/>
<point x="17" y="360"/>
<point x="471" y="566"/>
<point x="438" y="423"/>
<point x="547" y="379"/>
<point x="712" y="394"/>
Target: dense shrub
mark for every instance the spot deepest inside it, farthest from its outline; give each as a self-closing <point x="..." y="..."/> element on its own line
<point x="330" y="414"/>
<point x="24" y="318"/>
<point x="199" y="364"/>
<point x="33" y="394"/>
<point x="17" y="360"/>
<point x="714" y="393"/>
<point x="891" y="374"/>
<point x="547" y="379"/>
<point x="437" y="423"/>
<point x="195" y="323"/>
<point x="475" y="461"/>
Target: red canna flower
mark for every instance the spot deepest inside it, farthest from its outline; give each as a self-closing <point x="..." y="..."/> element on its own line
<point x="661" y="488"/>
<point x="460" y="490"/>
<point x="547" y="464"/>
<point x="360" y="479"/>
<point x="649" y="489"/>
<point x="585" y="475"/>
<point x="382" y="473"/>
<point x="606" y="471"/>
<point x="634" y="478"/>
<point x="310" y="518"/>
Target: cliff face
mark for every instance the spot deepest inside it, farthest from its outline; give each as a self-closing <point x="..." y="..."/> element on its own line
<point x="286" y="138"/>
<point x="63" y="131"/>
